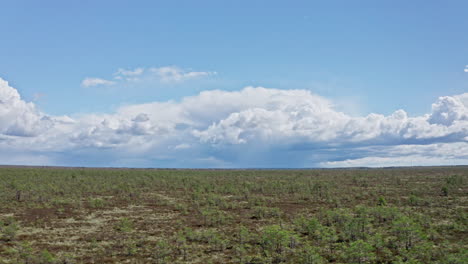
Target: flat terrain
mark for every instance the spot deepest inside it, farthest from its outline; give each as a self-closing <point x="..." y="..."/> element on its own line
<point x="74" y="215"/>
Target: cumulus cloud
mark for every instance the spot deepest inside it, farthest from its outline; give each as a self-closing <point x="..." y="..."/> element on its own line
<point x="466" y="68"/>
<point x="253" y="127"/>
<point x="88" y="82"/>
<point x="296" y="115"/>
<point x="450" y="109"/>
<point x="17" y="117"/>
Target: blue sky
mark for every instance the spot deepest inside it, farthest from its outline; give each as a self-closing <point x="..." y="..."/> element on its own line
<point x="361" y="58"/>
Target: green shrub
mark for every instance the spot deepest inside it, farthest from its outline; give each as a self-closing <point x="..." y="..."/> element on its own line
<point x="262" y="212"/>
<point x="381" y="201"/>
<point x="309" y="255"/>
<point x="213" y="217"/>
<point x="162" y="252"/>
<point x="307" y="226"/>
<point x="47" y="257"/>
<point x="276" y="239"/>
<point x="407" y="231"/>
<point x="445" y="190"/>
<point x="8" y="229"/>
<point x="183" y="208"/>
<point x="130" y="248"/>
<point x="455" y="180"/>
<point x="96" y="203"/>
<point x="124" y="225"/>
<point x="359" y="252"/>
<point x="243" y="235"/>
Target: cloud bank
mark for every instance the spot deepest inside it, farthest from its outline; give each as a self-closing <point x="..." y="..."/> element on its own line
<point x="253" y="127"/>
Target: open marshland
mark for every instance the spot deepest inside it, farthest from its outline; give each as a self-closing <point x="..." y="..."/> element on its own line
<point x="75" y="215"/>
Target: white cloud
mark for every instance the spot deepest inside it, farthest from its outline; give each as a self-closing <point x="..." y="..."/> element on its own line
<point x="466" y="68"/>
<point x="129" y="75"/>
<point x="135" y="72"/>
<point x="182" y="146"/>
<point x="296" y="115"/>
<point x="176" y="74"/>
<point x="17" y="117"/>
<point x="166" y="74"/>
<point x="410" y="155"/>
<point x="253" y="127"/>
<point x="88" y="82"/>
<point x="449" y="109"/>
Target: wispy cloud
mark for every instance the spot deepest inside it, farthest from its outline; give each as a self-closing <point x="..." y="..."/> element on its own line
<point x="88" y="82"/>
<point x="176" y="74"/>
<point x="135" y="72"/>
<point x="166" y="74"/>
<point x="128" y="75"/>
<point x="466" y="68"/>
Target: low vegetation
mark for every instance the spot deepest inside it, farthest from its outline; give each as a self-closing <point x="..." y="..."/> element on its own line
<point x="73" y="215"/>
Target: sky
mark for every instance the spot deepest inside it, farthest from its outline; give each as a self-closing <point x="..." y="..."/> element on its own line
<point x="234" y="84"/>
